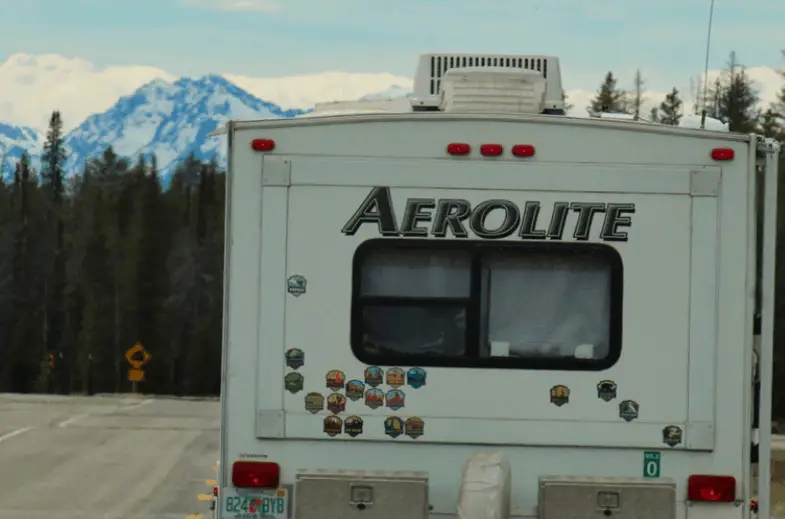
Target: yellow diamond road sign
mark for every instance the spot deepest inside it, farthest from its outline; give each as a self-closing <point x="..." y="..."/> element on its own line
<point x="133" y="356"/>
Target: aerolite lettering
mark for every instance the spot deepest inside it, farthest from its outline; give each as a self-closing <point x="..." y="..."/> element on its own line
<point x="459" y="217"/>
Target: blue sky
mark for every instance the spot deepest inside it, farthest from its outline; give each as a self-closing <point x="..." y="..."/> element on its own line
<point x="665" y="38"/>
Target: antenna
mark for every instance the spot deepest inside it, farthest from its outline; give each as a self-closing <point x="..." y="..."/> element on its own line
<point x="706" y="68"/>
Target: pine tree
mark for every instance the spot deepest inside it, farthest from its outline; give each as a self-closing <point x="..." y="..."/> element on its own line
<point x="52" y="173"/>
<point x="638" y="99"/>
<point x="778" y="107"/>
<point x="670" y="108"/>
<point x="21" y="367"/>
<point x="737" y="100"/>
<point x="770" y="125"/>
<point x="609" y="98"/>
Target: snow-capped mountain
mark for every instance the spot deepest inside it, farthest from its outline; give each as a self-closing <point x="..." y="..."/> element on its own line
<point x="168" y="119"/>
<point x="394" y="92"/>
<point x="15" y="140"/>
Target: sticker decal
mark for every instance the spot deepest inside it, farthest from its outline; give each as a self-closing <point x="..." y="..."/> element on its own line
<point x="355" y="390"/>
<point x="560" y="395"/>
<point x="414" y="427"/>
<point x="374" y="376"/>
<point x="393" y="427"/>
<point x="314" y="402"/>
<point x="293" y="382"/>
<point x="295" y="358"/>
<point x="336" y="403"/>
<point x="415" y="377"/>
<point x="671" y="435"/>
<point x="395" y="399"/>
<point x="628" y="410"/>
<point x="353" y="426"/>
<point x="295" y="285"/>
<point x="374" y="398"/>
<point x="333" y="426"/>
<point x="606" y="390"/>
<point x="396" y="377"/>
<point x="335" y="380"/>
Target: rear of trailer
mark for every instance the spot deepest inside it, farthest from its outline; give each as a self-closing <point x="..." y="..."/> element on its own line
<point x="463" y="314"/>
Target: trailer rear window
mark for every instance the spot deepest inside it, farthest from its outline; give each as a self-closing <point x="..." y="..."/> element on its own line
<point x="471" y="304"/>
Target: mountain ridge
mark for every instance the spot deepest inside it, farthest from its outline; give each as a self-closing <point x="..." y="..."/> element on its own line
<point x="170" y="119"/>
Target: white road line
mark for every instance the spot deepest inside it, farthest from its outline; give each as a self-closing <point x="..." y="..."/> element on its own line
<point x="72" y="420"/>
<point x="14" y="433"/>
<point x="140" y="404"/>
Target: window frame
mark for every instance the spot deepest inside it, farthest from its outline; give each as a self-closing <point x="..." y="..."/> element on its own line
<point x="477" y="249"/>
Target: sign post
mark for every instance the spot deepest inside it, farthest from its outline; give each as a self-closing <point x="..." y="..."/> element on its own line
<point x="137" y="357"/>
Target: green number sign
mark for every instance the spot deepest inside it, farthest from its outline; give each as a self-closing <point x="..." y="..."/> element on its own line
<point x="651" y="464"/>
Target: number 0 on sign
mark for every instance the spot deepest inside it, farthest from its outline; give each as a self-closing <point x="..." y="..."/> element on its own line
<point x="651" y="464"/>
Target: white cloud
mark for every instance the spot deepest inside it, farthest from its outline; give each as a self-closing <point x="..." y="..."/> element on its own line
<point x="259" y="6"/>
<point x="31" y="87"/>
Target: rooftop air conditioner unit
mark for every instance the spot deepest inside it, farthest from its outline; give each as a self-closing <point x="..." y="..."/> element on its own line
<point x="432" y="71"/>
<point x="492" y="90"/>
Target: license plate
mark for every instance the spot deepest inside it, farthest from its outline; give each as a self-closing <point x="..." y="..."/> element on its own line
<point x="255" y="505"/>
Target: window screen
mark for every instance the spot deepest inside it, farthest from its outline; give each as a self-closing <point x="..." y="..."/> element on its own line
<point x="477" y="304"/>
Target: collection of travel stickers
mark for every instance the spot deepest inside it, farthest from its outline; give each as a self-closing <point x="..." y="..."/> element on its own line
<point x="353" y="426"/>
<point x="413" y="427"/>
<point x="356" y="390"/>
<point x="295" y="359"/>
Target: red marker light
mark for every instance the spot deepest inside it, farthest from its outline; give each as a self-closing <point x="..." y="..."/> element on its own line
<point x="491" y="150"/>
<point x="523" y="150"/>
<point x="256" y="474"/>
<point x="718" y="489"/>
<point x="263" y="144"/>
<point x="459" y="148"/>
<point x="722" y="154"/>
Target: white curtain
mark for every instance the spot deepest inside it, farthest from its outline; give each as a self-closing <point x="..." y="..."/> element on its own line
<point x="548" y="305"/>
<point x="416" y="273"/>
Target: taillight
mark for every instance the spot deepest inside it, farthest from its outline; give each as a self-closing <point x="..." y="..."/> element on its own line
<point x="523" y="150"/>
<point x="722" y="154"/>
<point x="491" y="150"/>
<point x="458" y="148"/>
<point x="718" y="489"/>
<point x="215" y="491"/>
<point x="263" y="144"/>
<point x="256" y="474"/>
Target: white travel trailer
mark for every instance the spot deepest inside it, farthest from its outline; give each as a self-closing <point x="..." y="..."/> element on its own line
<point x="482" y="308"/>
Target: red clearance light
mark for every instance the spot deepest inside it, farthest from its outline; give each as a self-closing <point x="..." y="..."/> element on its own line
<point x="722" y="154"/>
<point x="458" y="148"/>
<point x="718" y="489"/>
<point x="491" y="150"/>
<point x="256" y="474"/>
<point x="523" y="150"/>
<point x="263" y="144"/>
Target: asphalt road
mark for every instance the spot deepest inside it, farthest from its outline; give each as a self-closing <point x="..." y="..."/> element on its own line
<point x="117" y="457"/>
<point x="111" y="457"/>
